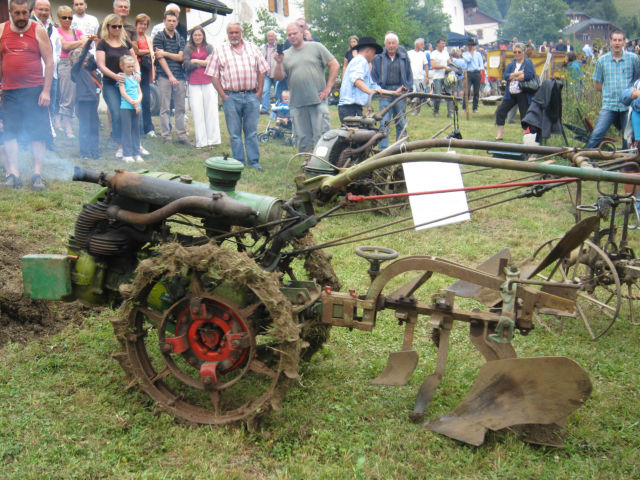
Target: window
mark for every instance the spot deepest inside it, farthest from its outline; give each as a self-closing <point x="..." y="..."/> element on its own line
<point x="279" y="6"/>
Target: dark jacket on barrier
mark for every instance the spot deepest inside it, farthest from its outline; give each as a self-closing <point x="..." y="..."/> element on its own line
<point x="544" y="116"/>
<point x="380" y="69"/>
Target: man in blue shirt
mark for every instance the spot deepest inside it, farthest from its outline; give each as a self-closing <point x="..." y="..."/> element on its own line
<point x="614" y="72"/>
<point x="475" y="66"/>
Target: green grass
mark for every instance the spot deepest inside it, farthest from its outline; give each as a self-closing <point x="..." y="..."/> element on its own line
<point x="64" y="411"/>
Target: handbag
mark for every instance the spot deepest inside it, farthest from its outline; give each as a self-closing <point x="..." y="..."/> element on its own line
<point x="530" y="86"/>
<point x="145" y="62"/>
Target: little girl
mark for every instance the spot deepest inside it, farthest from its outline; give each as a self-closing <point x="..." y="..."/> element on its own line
<point x="130" y="111"/>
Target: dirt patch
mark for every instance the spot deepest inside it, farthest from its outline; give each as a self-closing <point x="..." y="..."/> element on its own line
<point x="23" y="319"/>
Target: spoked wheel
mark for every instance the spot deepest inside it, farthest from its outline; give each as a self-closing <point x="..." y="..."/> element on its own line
<point x="263" y="137"/>
<point x="389" y="180"/>
<point x="629" y="271"/>
<point x="205" y="358"/>
<point x="599" y="296"/>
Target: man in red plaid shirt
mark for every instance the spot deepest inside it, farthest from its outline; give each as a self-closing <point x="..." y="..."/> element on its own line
<point x="237" y="70"/>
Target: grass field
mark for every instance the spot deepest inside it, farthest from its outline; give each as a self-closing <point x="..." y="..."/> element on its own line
<point x="65" y="412"/>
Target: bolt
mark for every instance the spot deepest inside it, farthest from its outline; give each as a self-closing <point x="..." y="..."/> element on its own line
<point x="207" y="381"/>
<point x="226" y="317"/>
<point x="235" y="343"/>
<point x="166" y="347"/>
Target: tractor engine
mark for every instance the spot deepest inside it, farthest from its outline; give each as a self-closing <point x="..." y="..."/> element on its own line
<point x="118" y="227"/>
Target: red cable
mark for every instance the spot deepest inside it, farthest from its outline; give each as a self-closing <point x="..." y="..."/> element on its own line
<point x="362" y="198"/>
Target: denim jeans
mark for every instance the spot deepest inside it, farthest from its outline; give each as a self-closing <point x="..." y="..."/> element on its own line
<point x="474" y="78"/>
<point x="281" y="86"/>
<point x="438" y="89"/>
<point x="146" y="124"/>
<point x="130" y="132"/>
<point x="605" y="120"/>
<point x="111" y="95"/>
<point x="266" y="93"/>
<point x="397" y="113"/>
<point x="241" y="112"/>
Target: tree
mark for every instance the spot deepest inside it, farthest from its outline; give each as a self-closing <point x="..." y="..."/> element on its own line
<point x="432" y="21"/>
<point x="540" y="20"/>
<point x="266" y="21"/>
<point x="334" y="21"/>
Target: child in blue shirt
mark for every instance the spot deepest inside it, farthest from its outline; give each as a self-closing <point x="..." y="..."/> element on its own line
<point x="131" y="98"/>
<point x="281" y="113"/>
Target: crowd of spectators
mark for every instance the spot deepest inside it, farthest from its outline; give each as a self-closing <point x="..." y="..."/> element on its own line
<point x="119" y="61"/>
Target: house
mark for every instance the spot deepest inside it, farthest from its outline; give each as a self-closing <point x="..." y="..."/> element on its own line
<point x="588" y="30"/>
<point x="246" y="11"/>
<point x="456" y="11"/>
<point x="484" y="27"/>
<point x="576" y="16"/>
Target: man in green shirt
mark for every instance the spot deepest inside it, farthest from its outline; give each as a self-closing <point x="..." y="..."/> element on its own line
<point x="303" y="65"/>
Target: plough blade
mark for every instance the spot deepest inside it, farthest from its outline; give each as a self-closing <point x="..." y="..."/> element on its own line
<point x="517" y="391"/>
<point x="398" y="370"/>
<point x="574" y="237"/>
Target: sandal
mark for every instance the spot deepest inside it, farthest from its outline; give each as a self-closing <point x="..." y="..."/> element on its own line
<point x="498" y="139"/>
<point x="11" y="181"/>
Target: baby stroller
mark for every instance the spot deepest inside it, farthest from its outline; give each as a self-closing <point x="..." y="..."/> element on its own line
<point x="279" y="125"/>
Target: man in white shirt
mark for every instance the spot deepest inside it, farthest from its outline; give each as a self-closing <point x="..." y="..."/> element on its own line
<point x="439" y="68"/>
<point x="87" y="24"/>
<point x="419" y="69"/>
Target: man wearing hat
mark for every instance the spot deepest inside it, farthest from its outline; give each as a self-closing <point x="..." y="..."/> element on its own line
<point x="357" y="83"/>
<point x="475" y="65"/>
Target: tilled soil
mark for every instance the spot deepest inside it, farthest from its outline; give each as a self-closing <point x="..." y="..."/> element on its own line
<point x="23" y="319"/>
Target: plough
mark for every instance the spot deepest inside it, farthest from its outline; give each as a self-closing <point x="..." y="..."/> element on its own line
<point x="214" y="319"/>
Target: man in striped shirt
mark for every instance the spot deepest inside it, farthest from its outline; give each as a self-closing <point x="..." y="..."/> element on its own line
<point x="237" y="70"/>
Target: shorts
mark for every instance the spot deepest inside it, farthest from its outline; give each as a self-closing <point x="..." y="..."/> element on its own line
<point x="23" y="117"/>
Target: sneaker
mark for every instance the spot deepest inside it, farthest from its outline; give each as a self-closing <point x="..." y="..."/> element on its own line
<point x="144" y="151"/>
<point x="138" y="158"/>
<point x="185" y="141"/>
<point x="119" y="152"/>
<point x="37" y="183"/>
<point x="11" y="181"/>
<point x="151" y="134"/>
<point x="128" y="159"/>
<point x="257" y="167"/>
<point x="166" y="141"/>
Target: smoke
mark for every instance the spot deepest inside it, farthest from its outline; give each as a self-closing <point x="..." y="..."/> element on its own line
<point x="56" y="167"/>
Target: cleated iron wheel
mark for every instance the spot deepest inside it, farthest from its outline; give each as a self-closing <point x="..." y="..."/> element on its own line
<point x="599" y="298"/>
<point x="208" y="358"/>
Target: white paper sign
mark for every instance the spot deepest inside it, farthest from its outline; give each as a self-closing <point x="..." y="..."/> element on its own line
<point x="429" y="176"/>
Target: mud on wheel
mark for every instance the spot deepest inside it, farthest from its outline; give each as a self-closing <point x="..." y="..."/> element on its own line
<point x="208" y="335"/>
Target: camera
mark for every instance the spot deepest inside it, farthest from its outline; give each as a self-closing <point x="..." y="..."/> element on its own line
<point x="279" y="48"/>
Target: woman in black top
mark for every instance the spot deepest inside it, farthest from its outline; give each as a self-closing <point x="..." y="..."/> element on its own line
<point x="113" y="45"/>
<point x="353" y="41"/>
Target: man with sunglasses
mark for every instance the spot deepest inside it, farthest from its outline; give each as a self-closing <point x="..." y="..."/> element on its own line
<point x="24" y="45"/>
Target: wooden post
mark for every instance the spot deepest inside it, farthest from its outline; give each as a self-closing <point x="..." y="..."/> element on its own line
<point x="466" y="94"/>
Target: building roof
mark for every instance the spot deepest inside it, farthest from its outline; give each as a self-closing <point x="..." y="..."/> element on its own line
<point x="211" y="6"/>
<point x="469" y="3"/>
<point x="571" y="11"/>
<point x="576" y="27"/>
<point x="478" y="17"/>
